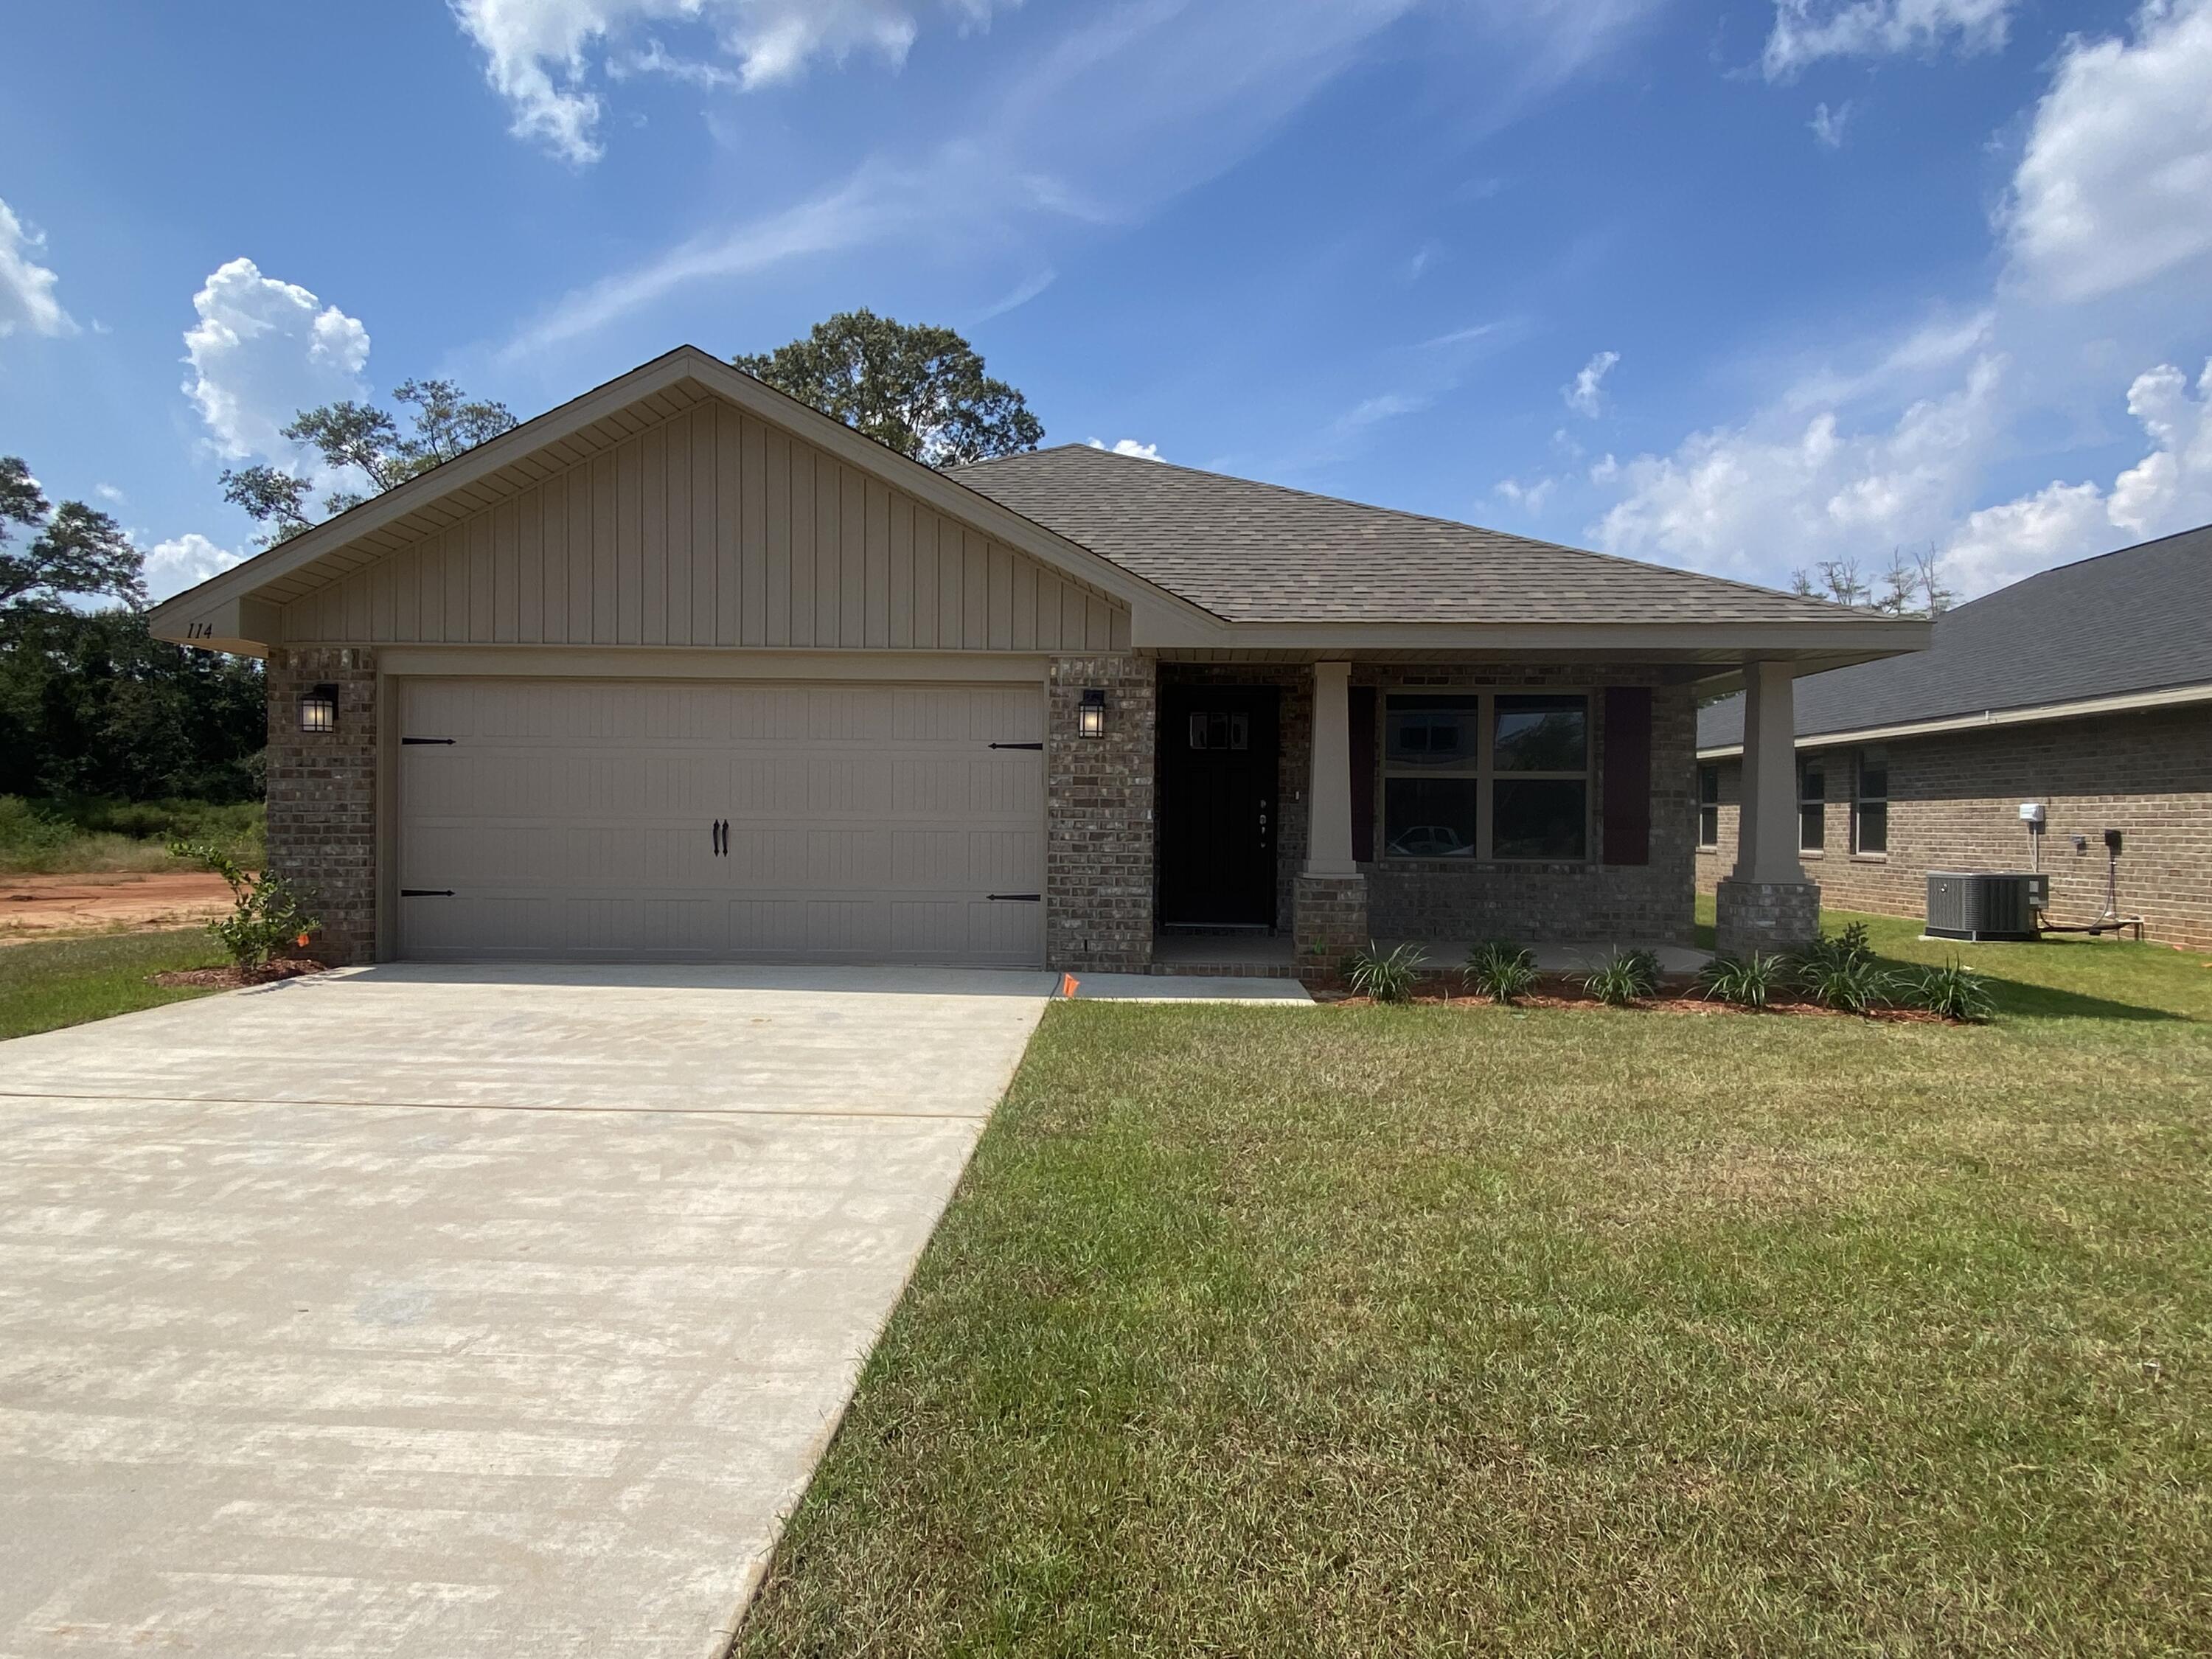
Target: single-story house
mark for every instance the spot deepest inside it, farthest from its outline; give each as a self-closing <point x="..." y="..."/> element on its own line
<point x="2085" y="691"/>
<point x="684" y="668"/>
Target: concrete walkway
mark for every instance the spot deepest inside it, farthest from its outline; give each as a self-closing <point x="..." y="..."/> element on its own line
<point x="460" y="1311"/>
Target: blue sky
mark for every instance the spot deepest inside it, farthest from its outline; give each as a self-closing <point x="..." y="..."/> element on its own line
<point x="1740" y="287"/>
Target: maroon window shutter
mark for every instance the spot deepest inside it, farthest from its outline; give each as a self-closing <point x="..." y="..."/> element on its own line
<point x="1628" y="775"/>
<point x="1360" y="707"/>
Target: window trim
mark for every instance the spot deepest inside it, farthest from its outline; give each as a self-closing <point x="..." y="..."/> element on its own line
<point x="1810" y="766"/>
<point x="1485" y="774"/>
<point x="1860" y="801"/>
<point x="1709" y="772"/>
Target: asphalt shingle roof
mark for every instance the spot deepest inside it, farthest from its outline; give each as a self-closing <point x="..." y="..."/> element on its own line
<point x="2136" y="620"/>
<point x="1254" y="552"/>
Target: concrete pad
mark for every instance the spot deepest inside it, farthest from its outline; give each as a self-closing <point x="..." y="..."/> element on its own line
<point x="1190" y="988"/>
<point x="456" y="1312"/>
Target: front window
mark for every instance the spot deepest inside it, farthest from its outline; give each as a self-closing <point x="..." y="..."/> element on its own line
<point x="1871" y="803"/>
<point x="1502" y="776"/>
<point x="1431" y="777"/>
<point x="1812" y="807"/>
<point x="1709" y="807"/>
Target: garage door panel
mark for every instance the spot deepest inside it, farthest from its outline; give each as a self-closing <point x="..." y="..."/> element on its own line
<point x="866" y="822"/>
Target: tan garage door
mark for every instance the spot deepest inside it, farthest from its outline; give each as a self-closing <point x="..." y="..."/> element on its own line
<point x="571" y="820"/>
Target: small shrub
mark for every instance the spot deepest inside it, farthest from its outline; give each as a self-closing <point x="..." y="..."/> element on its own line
<point x="1747" y="982"/>
<point x="26" y="831"/>
<point x="1954" y="991"/>
<point x="1500" y="970"/>
<point x="1834" y="952"/>
<point x="265" y="915"/>
<point x="1623" y="977"/>
<point x="1386" y="978"/>
<point x="1851" y="986"/>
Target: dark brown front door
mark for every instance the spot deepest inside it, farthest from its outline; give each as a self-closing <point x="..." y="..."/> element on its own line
<point x="1217" y="806"/>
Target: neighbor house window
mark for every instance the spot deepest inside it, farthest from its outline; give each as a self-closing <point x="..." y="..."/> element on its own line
<point x="1709" y="807"/>
<point x="1812" y="807"/>
<point x="1870" y="803"/>
<point x="1479" y="775"/>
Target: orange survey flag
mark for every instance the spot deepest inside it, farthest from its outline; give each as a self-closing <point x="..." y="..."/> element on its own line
<point x="1067" y="984"/>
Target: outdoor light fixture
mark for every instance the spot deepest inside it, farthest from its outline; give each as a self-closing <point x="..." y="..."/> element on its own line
<point x="318" y="709"/>
<point x="1091" y="714"/>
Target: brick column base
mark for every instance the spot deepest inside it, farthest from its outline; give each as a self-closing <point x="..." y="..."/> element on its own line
<point x="1328" y="918"/>
<point x="1767" y="916"/>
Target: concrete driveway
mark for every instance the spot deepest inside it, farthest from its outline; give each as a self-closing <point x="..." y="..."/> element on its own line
<point x="419" y="1312"/>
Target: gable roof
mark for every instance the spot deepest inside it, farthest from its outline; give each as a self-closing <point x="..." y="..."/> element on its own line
<point x="2134" y="621"/>
<point x="1262" y="553"/>
<point x="1201" y="561"/>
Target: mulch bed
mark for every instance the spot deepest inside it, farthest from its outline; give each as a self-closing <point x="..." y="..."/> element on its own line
<point x="1553" y="992"/>
<point x="231" y="977"/>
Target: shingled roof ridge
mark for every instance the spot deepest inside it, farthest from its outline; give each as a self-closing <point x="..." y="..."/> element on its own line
<point x="1839" y="612"/>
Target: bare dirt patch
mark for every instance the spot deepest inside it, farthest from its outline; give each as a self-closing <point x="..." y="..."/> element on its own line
<point x="232" y="977"/>
<point x="59" y="907"/>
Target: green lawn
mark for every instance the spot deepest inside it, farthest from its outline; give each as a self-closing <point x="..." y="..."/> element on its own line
<point x="1397" y="1331"/>
<point x="67" y="981"/>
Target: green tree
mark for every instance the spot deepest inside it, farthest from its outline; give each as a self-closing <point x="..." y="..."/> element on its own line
<point x="78" y="552"/>
<point x="364" y="442"/>
<point x="91" y="703"/>
<point x="919" y="389"/>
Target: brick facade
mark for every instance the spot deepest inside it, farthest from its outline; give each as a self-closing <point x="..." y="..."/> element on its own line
<point x="1098" y="848"/>
<point x="1955" y="804"/>
<point x="1454" y="899"/>
<point x="322" y="796"/>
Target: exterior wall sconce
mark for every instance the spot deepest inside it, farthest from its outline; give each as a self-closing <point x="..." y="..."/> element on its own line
<point x="318" y="709"/>
<point x="1091" y="714"/>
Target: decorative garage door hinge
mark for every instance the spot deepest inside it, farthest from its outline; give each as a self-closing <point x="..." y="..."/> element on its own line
<point x="1016" y="898"/>
<point x="1016" y="745"/>
<point x="445" y="740"/>
<point x="426" y="892"/>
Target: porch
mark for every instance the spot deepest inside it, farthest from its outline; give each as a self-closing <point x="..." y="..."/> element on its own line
<point x="1307" y="809"/>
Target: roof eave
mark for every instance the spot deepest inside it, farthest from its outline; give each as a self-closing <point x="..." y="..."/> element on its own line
<point x="2123" y="703"/>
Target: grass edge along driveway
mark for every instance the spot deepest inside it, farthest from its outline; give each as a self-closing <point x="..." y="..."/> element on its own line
<point x="1458" y="1331"/>
<point x="45" y="984"/>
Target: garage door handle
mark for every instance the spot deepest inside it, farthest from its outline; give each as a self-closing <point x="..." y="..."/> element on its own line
<point x="718" y="837"/>
<point x="426" y="892"/>
<point x="1016" y="898"/>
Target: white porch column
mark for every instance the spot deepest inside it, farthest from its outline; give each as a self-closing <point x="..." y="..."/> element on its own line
<point x="1329" y="843"/>
<point x="1766" y="823"/>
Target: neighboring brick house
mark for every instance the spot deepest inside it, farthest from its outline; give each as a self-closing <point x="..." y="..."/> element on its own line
<point x="686" y="671"/>
<point x="2086" y="690"/>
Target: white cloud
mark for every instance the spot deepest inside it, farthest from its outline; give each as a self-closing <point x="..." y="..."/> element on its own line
<point x="108" y="492"/>
<point x="1125" y="109"/>
<point x="183" y="561"/>
<point x="1806" y="31"/>
<point x="2169" y="489"/>
<point x="537" y="52"/>
<point x="1528" y="497"/>
<point x="1130" y="447"/>
<point x="263" y="350"/>
<point x="1584" y="393"/>
<point x="2114" y="187"/>
<point x="27" y="287"/>
<point x="1779" y="493"/>
<point x="1828" y="124"/>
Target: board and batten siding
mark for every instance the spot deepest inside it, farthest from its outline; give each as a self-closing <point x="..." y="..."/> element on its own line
<point x="713" y="528"/>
